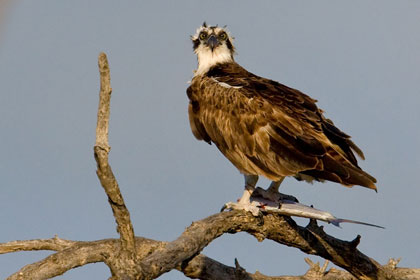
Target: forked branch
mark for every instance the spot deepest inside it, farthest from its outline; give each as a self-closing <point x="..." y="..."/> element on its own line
<point x="183" y="253"/>
<point x="104" y="172"/>
<point x="107" y="178"/>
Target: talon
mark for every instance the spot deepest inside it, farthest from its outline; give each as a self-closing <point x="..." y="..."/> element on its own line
<point x="227" y="206"/>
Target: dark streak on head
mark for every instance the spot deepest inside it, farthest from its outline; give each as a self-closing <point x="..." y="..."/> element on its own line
<point x="229" y="45"/>
<point x="196" y="43"/>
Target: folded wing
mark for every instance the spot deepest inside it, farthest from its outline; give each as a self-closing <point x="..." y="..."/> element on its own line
<point x="266" y="128"/>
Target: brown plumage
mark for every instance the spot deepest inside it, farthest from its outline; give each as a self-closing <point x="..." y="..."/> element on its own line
<point x="266" y="128"/>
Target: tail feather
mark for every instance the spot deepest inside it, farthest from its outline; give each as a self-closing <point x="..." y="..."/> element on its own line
<point x="361" y="178"/>
<point x="356" y="149"/>
<point x="343" y="173"/>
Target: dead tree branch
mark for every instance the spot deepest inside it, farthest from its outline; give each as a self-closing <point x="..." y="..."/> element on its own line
<point x="131" y="257"/>
<point x="53" y="244"/>
<point x="104" y="172"/>
<point x="71" y="254"/>
<point x="126" y="267"/>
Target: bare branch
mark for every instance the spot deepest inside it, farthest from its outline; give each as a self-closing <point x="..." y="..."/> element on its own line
<point x="104" y="172"/>
<point x="102" y="125"/>
<point x="311" y="240"/>
<point x="125" y="265"/>
<point x="199" y="267"/>
<point x="190" y="243"/>
<point x="282" y="229"/>
<point x="79" y="254"/>
<point x="74" y="254"/>
<point x="53" y="244"/>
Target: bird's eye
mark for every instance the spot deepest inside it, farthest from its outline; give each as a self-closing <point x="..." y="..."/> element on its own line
<point x="203" y="35"/>
<point x="223" y="36"/>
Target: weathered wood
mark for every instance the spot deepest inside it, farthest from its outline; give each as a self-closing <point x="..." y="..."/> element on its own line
<point x="125" y="265"/>
<point x="71" y="254"/>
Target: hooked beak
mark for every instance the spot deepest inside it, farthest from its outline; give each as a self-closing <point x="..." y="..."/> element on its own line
<point x="212" y="42"/>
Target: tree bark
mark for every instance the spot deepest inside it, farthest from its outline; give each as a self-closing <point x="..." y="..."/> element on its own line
<point x="124" y="266"/>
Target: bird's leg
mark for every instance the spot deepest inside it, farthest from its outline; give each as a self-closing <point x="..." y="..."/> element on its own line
<point x="250" y="183"/>
<point x="244" y="202"/>
<point x="272" y="193"/>
<point x="274" y="186"/>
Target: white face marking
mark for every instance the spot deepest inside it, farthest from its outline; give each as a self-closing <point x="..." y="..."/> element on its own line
<point x="207" y="57"/>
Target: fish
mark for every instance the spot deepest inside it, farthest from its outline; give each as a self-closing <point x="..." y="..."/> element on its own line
<point x="290" y="207"/>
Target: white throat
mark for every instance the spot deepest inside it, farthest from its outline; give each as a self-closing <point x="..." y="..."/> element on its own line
<point x="207" y="58"/>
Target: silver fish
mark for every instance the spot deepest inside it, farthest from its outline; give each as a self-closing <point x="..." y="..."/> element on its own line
<point x="291" y="208"/>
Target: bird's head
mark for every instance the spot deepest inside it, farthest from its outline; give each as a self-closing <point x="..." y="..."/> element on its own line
<point x="213" y="45"/>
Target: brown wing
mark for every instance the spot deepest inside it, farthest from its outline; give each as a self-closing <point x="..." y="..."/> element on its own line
<point x="266" y="128"/>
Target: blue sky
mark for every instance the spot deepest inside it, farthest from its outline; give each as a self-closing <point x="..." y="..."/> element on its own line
<point x="360" y="59"/>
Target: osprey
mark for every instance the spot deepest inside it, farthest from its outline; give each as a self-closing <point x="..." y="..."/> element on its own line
<point x="264" y="127"/>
